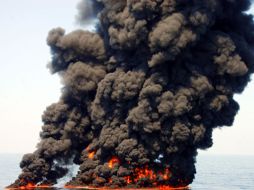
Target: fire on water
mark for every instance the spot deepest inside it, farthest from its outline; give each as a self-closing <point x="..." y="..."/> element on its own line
<point x="139" y="173"/>
<point x="41" y="187"/>
<point x="30" y="186"/>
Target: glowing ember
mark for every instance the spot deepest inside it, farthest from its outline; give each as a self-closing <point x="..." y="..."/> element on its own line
<point x="113" y="161"/>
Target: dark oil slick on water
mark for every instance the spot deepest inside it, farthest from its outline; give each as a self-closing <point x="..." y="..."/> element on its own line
<point x="213" y="172"/>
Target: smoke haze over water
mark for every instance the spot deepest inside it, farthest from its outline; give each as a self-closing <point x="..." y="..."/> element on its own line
<point x="143" y="92"/>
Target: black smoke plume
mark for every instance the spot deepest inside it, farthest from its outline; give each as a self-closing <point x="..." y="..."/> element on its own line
<point x="143" y="92"/>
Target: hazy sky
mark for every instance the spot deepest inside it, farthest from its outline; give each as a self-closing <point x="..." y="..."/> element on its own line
<point x="27" y="87"/>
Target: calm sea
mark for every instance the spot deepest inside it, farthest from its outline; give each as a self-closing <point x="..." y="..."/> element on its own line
<point x="213" y="172"/>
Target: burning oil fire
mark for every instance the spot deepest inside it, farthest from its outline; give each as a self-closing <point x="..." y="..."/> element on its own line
<point x="30" y="186"/>
<point x="106" y="188"/>
<point x="112" y="162"/>
<point x="155" y="78"/>
<point x="138" y="175"/>
<point x="146" y="173"/>
<point x="34" y="187"/>
<point x="91" y="154"/>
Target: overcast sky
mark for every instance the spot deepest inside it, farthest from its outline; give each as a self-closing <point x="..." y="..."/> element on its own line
<point x="27" y="87"/>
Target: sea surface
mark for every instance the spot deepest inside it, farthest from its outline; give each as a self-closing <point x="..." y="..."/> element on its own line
<point x="214" y="172"/>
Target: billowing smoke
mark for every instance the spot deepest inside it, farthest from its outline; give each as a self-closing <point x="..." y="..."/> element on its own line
<point x="144" y="92"/>
<point x="87" y="11"/>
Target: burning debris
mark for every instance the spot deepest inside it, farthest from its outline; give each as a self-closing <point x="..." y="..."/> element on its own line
<point x="143" y="93"/>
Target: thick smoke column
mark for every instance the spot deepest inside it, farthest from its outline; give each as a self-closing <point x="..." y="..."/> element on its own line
<point x="144" y="92"/>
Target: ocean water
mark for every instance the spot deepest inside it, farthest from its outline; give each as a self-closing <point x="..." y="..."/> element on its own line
<point x="214" y="172"/>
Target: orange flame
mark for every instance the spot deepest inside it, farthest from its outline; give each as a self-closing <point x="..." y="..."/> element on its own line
<point x="138" y="174"/>
<point x="166" y="174"/>
<point x="106" y="188"/>
<point x="30" y="186"/>
<point x="79" y="187"/>
<point x="112" y="161"/>
<point x="128" y="179"/>
<point x="91" y="155"/>
<point x="144" y="173"/>
<point x="141" y="173"/>
<point x="165" y="187"/>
